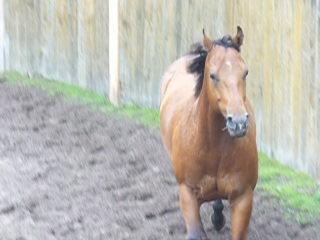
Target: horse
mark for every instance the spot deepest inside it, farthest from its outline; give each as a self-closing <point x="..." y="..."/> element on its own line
<point x="208" y="128"/>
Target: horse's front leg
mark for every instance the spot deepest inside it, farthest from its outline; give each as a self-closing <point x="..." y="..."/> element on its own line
<point x="190" y="207"/>
<point x="241" y="213"/>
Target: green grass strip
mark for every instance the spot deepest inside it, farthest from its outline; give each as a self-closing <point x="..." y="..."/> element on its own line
<point x="298" y="192"/>
<point x="146" y="116"/>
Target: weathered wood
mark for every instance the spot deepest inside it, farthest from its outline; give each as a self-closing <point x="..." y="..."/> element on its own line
<point x="114" y="89"/>
<point x="2" y="52"/>
<point x="69" y="40"/>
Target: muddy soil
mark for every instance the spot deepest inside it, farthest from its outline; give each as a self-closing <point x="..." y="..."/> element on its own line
<point x="69" y="172"/>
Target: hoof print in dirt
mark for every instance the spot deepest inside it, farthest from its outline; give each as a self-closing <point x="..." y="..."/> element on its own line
<point x="70" y="181"/>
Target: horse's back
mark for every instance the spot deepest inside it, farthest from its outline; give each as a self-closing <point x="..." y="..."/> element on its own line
<point x="177" y="91"/>
<point x="177" y="77"/>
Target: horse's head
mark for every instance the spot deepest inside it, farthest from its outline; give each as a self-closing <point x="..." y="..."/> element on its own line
<point x="225" y="75"/>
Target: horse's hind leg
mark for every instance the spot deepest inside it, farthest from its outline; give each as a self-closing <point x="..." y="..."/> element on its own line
<point x="217" y="218"/>
<point x="241" y="213"/>
<point x="190" y="208"/>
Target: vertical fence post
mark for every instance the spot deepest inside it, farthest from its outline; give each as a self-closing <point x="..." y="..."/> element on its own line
<point x="2" y="43"/>
<point x="82" y="79"/>
<point x="114" y="81"/>
<point x="317" y="43"/>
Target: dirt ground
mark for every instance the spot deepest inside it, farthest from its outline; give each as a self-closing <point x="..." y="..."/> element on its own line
<point x="68" y="172"/>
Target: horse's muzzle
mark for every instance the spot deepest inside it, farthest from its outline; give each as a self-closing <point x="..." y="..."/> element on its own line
<point x="237" y="126"/>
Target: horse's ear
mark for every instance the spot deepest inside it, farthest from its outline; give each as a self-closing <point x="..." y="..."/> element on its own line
<point x="238" y="39"/>
<point x="207" y="43"/>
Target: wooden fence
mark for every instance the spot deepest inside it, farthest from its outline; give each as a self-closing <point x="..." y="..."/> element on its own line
<point x="121" y="48"/>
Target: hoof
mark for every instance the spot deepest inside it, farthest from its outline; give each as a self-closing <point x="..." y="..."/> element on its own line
<point x="198" y="238"/>
<point x="197" y="234"/>
<point x="218" y="221"/>
<point x="217" y="218"/>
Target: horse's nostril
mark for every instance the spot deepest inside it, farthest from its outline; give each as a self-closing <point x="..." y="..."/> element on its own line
<point x="229" y="118"/>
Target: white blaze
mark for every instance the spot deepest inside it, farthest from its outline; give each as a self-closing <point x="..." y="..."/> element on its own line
<point x="228" y="63"/>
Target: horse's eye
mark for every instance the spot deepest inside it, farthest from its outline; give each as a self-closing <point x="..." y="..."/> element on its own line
<point x="214" y="77"/>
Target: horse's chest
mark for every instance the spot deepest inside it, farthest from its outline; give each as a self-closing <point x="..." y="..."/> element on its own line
<point x="212" y="187"/>
<point x="206" y="187"/>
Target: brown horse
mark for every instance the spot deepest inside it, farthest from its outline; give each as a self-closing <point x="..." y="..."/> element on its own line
<point x="208" y="127"/>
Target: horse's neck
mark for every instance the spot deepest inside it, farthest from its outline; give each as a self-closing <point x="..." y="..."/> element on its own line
<point x="210" y="123"/>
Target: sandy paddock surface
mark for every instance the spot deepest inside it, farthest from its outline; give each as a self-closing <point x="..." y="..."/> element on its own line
<point x="69" y="172"/>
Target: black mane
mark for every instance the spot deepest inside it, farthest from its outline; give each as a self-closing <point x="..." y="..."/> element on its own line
<point x="227" y="42"/>
<point x="198" y="63"/>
